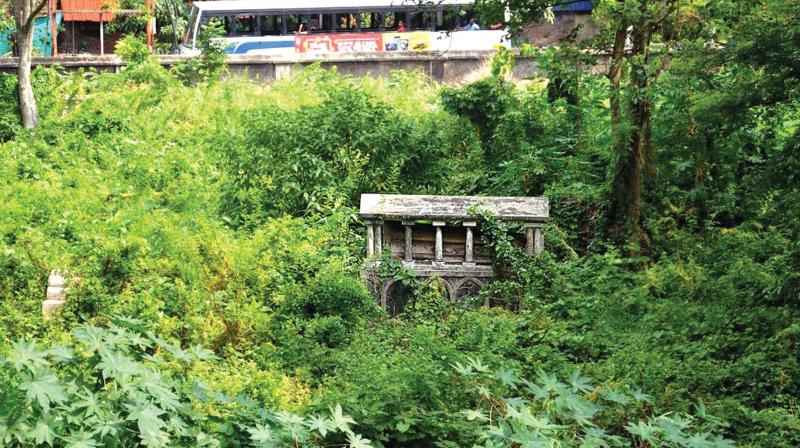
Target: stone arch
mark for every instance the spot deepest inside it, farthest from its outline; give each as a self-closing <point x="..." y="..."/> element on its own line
<point x="395" y="297"/>
<point x="466" y="287"/>
<point x="448" y="287"/>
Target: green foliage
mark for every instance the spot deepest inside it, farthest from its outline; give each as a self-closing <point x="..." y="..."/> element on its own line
<point x="335" y="294"/>
<point x="9" y="108"/>
<point x="515" y="411"/>
<point x="210" y="65"/>
<point x="223" y="214"/>
<point x="483" y="102"/>
<point x="112" y="389"/>
<point x="132" y="50"/>
<point x="317" y="158"/>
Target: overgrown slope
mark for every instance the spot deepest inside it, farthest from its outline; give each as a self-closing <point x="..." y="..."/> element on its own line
<point x="222" y="217"/>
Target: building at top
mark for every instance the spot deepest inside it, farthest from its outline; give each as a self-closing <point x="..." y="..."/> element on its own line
<point x="440" y="236"/>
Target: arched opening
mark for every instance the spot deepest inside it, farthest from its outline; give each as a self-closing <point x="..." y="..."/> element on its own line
<point x="397" y="296"/>
<point x="468" y="287"/>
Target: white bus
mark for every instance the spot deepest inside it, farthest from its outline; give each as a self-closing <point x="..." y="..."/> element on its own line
<point x="340" y="26"/>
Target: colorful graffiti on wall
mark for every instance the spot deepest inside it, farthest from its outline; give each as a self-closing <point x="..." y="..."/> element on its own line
<point x="413" y="41"/>
<point x="362" y="42"/>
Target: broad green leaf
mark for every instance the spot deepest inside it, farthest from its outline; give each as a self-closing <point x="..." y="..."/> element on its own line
<point x="93" y="338"/>
<point x="61" y="353"/>
<point x="320" y="424"/>
<point x="88" y="402"/>
<point x="476" y="364"/>
<point x="201" y="353"/>
<point x="579" y="382"/>
<point x="403" y="426"/>
<point x="117" y="366"/>
<point x="261" y="435"/>
<point x="615" y="396"/>
<point x="356" y="441"/>
<point x="640" y="396"/>
<point x="44" y="388"/>
<point x="43" y="432"/>
<point x="462" y="369"/>
<point x="26" y="354"/>
<point x="641" y="430"/>
<point x="508" y="377"/>
<point x="80" y="439"/>
<point x="341" y="421"/>
<point x="148" y="420"/>
<point x="475" y="415"/>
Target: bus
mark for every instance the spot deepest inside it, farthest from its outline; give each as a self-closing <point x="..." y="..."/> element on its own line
<point x="342" y="26"/>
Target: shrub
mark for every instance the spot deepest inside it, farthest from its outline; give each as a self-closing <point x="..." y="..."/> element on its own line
<point x="336" y="294"/>
<point x="112" y="385"/>
<point x="513" y="410"/>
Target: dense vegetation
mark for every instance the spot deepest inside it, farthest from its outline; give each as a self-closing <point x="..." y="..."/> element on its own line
<point x="211" y="237"/>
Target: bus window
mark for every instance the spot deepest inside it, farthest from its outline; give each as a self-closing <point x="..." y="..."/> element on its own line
<point x="363" y="20"/>
<point x="328" y="21"/>
<point x="244" y="25"/>
<point x="389" y="20"/>
<point x="377" y="21"/>
<point x="270" y="25"/>
<point x="293" y="23"/>
<point x="315" y="23"/>
<point x="342" y="22"/>
<point x="451" y="20"/>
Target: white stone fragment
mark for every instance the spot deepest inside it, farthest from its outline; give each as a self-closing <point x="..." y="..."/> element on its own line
<point x="50" y="307"/>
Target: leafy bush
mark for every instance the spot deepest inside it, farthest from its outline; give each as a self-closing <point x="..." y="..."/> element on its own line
<point x="514" y="411"/>
<point x="108" y="388"/>
<point x="210" y="65"/>
<point x="9" y="109"/>
<point x="333" y="294"/>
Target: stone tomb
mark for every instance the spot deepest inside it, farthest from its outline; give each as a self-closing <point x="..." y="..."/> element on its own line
<point x="437" y="236"/>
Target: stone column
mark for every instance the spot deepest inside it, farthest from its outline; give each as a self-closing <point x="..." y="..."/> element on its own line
<point x="379" y="238"/>
<point x="468" y="246"/>
<point x="439" y="247"/>
<point x="56" y="294"/>
<point x="409" y="246"/>
<point x="534" y="238"/>
<point x="370" y="238"/>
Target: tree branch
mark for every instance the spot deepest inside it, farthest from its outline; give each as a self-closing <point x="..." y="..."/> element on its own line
<point x="34" y="12"/>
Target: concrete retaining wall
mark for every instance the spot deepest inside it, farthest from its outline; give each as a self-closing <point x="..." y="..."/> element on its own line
<point x="451" y="67"/>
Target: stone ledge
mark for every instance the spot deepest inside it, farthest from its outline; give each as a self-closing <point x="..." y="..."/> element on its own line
<point x="115" y="61"/>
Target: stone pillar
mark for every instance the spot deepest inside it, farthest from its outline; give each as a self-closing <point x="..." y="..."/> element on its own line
<point x="56" y="294"/>
<point x="468" y="246"/>
<point x="409" y="246"/>
<point x="378" y="238"/>
<point x="370" y="238"/>
<point x="439" y="246"/>
<point x="534" y="238"/>
<point x="538" y="240"/>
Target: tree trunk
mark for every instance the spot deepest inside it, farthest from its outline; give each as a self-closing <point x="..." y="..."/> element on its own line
<point x="635" y="159"/>
<point x="648" y="152"/>
<point x="27" y="102"/>
<point x="616" y="213"/>
<point x="615" y="75"/>
<point x="25" y="12"/>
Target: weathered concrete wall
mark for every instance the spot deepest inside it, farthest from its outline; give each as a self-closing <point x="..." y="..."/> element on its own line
<point x="451" y="67"/>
